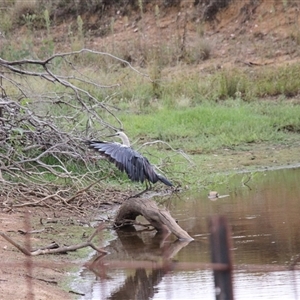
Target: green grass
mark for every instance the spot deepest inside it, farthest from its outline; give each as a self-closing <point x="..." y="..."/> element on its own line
<point x="212" y="126"/>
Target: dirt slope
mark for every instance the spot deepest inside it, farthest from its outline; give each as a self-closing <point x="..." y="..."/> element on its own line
<point x="261" y="32"/>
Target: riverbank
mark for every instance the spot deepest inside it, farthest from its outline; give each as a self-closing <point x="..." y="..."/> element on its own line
<point x="48" y="276"/>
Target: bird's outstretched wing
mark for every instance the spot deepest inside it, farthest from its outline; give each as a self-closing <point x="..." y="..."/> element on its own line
<point x="126" y="159"/>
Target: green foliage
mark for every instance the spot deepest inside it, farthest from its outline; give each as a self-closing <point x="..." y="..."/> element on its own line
<point x="28" y="20"/>
<point x="212" y="126"/>
<point x="16" y="52"/>
<point x="47" y="21"/>
<point x="231" y="84"/>
<point x="6" y="23"/>
<point x="77" y="40"/>
<point x="47" y="48"/>
<point x="282" y="80"/>
<point x="24" y="12"/>
<point x="80" y="27"/>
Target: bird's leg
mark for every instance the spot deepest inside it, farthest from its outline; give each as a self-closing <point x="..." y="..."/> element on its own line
<point x="148" y="187"/>
<point x="139" y="194"/>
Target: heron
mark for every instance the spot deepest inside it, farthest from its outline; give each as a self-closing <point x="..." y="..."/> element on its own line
<point x="136" y="166"/>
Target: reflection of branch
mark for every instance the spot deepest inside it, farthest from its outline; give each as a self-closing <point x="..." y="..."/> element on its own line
<point x="50" y="250"/>
<point x="245" y="183"/>
<point x="174" y="248"/>
<point x="142" y="284"/>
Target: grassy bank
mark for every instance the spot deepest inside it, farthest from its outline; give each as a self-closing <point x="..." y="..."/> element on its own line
<point x="210" y="131"/>
<point x="211" y="126"/>
<point x="202" y="110"/>
<point x="196" y="132"/>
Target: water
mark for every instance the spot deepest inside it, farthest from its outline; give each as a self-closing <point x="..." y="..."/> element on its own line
<point x="264" y="217"/>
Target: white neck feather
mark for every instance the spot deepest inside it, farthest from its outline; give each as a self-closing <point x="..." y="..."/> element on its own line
<point x="124" y="138"/>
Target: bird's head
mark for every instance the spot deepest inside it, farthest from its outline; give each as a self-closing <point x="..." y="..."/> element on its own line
<point x="123" y="137"/>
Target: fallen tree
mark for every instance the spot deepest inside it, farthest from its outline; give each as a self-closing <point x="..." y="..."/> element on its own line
<point x="159" y="218"/>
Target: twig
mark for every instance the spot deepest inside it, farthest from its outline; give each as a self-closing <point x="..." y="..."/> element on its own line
<point x="181" y="152"/>
<point x="85" y="189"/>
<point x="43" y="251"/>
<point x="22" y="249"/>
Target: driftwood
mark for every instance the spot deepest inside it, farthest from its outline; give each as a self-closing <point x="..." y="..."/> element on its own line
<point x="54" y="248"/>
<point x="159" y="218"/>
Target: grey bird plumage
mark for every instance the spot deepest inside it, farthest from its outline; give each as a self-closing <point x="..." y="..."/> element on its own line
<point x="136" y="166"/>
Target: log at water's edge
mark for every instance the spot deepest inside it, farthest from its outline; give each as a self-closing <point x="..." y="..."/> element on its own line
<point x="159" y="218"/>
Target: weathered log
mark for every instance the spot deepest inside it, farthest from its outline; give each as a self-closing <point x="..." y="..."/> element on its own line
<point x="159" y="218"/>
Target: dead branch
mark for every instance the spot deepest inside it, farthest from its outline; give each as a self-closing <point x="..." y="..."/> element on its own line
<point x="54" y="248"/>
<point x="46" y="112"/>
<point x="41" y="133"/>
<point x="160" y="219"/>
<point x="10" y="64"/>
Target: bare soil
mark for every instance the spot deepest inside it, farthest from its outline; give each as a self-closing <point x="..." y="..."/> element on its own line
<point x="22" y="277"/>
<point x="262" y="33"/>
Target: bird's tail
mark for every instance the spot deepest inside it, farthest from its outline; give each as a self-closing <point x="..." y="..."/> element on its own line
<point x="164" y="180"/>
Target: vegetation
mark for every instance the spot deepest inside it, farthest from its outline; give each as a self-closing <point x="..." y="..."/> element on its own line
<point x="152" y="91"/>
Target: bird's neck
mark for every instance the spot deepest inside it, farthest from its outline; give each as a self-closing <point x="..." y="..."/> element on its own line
<point x="125" y="141"/>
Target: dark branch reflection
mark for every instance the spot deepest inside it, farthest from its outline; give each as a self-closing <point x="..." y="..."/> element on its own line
<point x="131" y="246"/>
<point x="139" y="286"/>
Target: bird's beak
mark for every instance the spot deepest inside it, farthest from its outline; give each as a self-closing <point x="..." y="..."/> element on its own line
<point x="111" y="135"/>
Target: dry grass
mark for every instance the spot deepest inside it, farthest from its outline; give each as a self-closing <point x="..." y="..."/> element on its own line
<point x="22" y="8"/>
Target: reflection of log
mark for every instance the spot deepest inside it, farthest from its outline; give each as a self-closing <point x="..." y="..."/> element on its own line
<point x="150" y="260"/>
<point x="160" y="219"/>
<point x="140" y="285"/>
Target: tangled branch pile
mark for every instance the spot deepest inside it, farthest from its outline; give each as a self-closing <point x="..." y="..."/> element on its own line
<point x="42" y="129"/>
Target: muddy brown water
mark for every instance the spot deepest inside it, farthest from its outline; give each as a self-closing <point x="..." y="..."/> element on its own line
<point x="264" y="216"/>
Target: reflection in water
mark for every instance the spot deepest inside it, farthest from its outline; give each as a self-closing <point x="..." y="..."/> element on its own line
<point x="139" y="286"/>
<point x="264" y="216"/>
